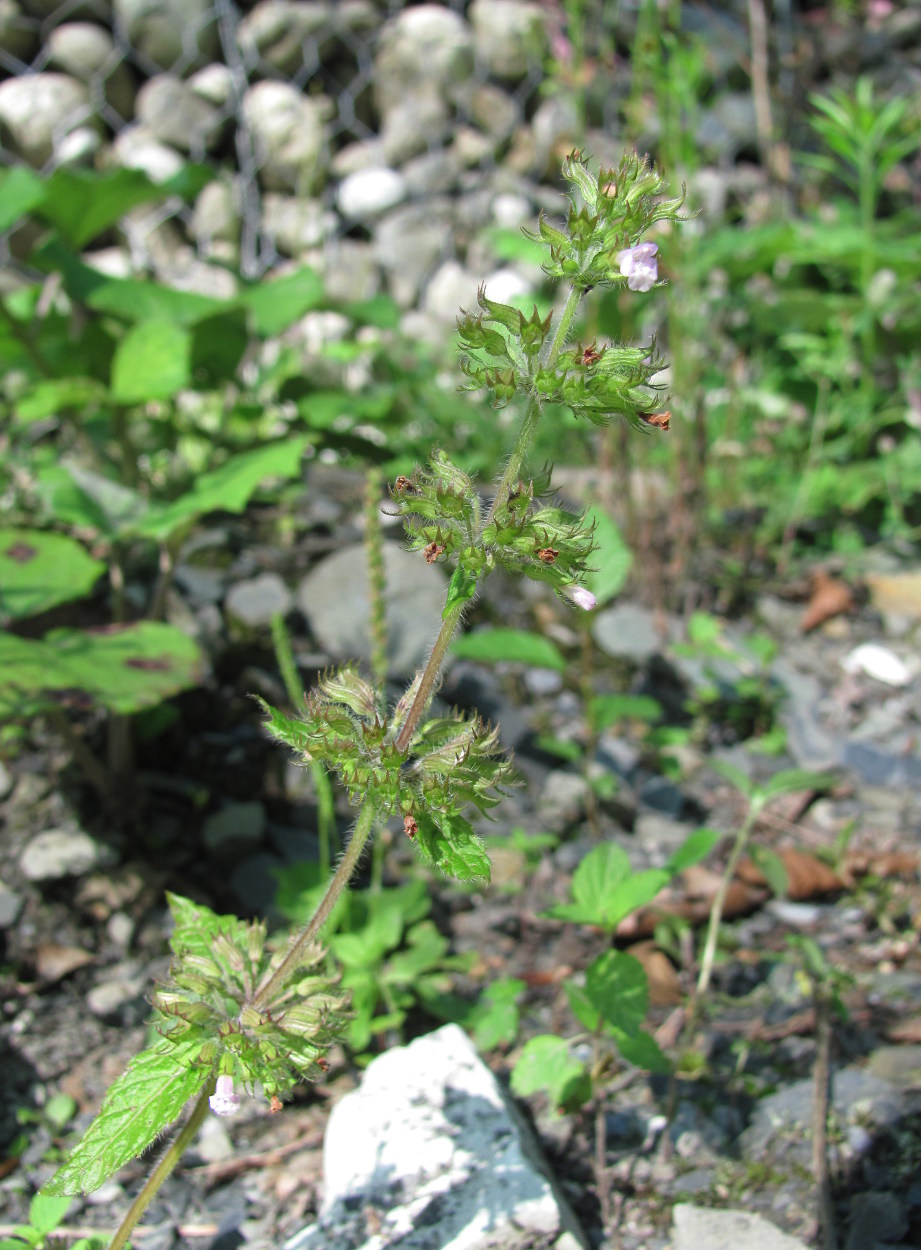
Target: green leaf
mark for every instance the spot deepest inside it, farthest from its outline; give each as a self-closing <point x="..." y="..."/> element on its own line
<point x="641" y="1050"/>
<point x="20" y="192"/>
<point x="790" y="780"/>
<point x="151" y="1093"/>
<point x="218" y="344"/>
<point x="48" y="397"/>
<point x="47" y="1210"/>
<point x="546" y="1065"/>
<point x="772" y="867"/>
<point x="82" y="203"/>
<point x="80" y="496"/>
<point x="492" y="646"/>
<point x="274" y="306"/>
<point x="696" y="846"/>
<point x="152" y="361"/>
<point x="495" y="1018"/>
<point x="735" y="776"/>
<point x="605" y="889"/>
<point x="612" y="559"/>
<point x="124" y="668"/>
<point x="227" y="488"/>
<point x="608" y="709"/>
<point x="617" y="988"/>
<point x="461" y="589"/>
<point x="451" y="846"/>
<point x="39" y="570"/>
<point x="195" y="926"/>
<point x="293" y="732"/>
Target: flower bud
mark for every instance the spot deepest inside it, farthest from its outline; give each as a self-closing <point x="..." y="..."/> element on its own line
<point x="581" y="597"/>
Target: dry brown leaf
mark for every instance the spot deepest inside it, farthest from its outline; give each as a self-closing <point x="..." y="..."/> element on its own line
<point x="53" y="962"/>
<point x="807" y="877"/>
<point x="828" y="598"/>
<point x="664" y="986"/>
<point x="857" y="864"/>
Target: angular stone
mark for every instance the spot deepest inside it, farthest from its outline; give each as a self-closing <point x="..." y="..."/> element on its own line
<point x="58" y="853"/>
<point x="38" y="111"/>
<point x="702" y="1228"/>
<point x="289" y="134"/>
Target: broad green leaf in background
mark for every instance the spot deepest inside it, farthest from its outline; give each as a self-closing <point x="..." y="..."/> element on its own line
<point x="138" y="1106"/>
<point x="39" y="570"/>
<point x="152" y="361"/>
<point x="546" y="1065"/>
<point x="495" y="1017"/>
<point x="490" y="646"/>
<point x="227" y="488"/>
<point x="641" y="1050"/>
<point x="276" y="305"/>
<point x="20" y="192"/>
<point x="617" y="988"/>
<point x="83" y="497"/>
<point x="608" y="709"/>
<point x="611" y="560"/>
<point x="771" y="867"/>
<point x="82" y="203"/>
<point x="218" y="344"/>
<point x="605" y="889"/>
<point x="696" y="846"/>
<point x="47" y="397"/>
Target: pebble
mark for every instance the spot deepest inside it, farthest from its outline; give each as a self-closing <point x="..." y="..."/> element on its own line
<point x="878" y="662"/>
<point x="253" y="603"/>
<point x="59" y="853"/>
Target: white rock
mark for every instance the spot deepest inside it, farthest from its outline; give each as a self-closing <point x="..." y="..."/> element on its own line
<point x="38" y="110"/>
<point x="369" y="192"/>
<point x="510" y="35"/>
<point x="425" y="43"/>
<point x="290" y="136"/>
<point x="878" y="662"/>
<point x="451" y="288"/>
<point x="700" y="1228"/>
<point x="58" y="853"/>
<point x="136" y="148"/>
<point x="429" y="1131"/>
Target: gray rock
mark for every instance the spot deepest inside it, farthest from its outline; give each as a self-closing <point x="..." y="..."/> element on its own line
<point x="433" y="173"/>
<point x="334" y="598"/>
<point x="510" y="37"/>
<point x="254" y="602"/>
<point x="38" y="111"/>
<point x="555" y="127"/>
<point x="350" y="271"/>
<point x="627" y="632"/>
<point x="237" y="829"/>
<point x="877" y="1218"/>
<point x="289" y="134"/>
<point x="10" y="906"/>
<point x="172" y="112"/>
<point x="18" y="36"/>
<point x="87" y="52"/>
<point x="492" y="109"/>
<point x="58" y="853"/>
<point x="703" y="1228"/>
<point x="6" y="780"/>
<point x="124" y="988"/>
<point x="213" y="83"/>
<point x="288" y="35"/>
<point x="430" y="1143"/>
<point x="173" y="34"/>
<point x="408" y="243"/>
<point x="563" y="801"/>
<point x="296" y="224"/>
<point x="728" y="125"/>
<point x="419" y="122"/>
<point x="369" y="192"/>
<point x="809" y="740"/>
<point x="215" y="218"/>
<point x="424" y="44"/>
<point x="451" y="288"/>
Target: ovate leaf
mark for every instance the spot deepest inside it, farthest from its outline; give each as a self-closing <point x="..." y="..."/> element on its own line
<point x="546" y="1065"/>
<point x="152" y="361"/>
<point x="611" y="559"/>
<point x="274" y="306"/>
<point x="151" y="1093"/>
<point x="605" y="889"/>
<point x="39" y="570"/>
<point x="491" y="646"/>
<point x="696" y="846"/>
<point x="617" y="988"/>
<point x="20" y="192"/>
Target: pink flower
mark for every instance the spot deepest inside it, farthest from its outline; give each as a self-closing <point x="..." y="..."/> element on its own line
<point x="581" y="597"/>
<point x="224" y="1101"/>
<point x="640" y="266"/>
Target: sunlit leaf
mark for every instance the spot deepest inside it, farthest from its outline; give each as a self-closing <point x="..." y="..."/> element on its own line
<point x="39" y="570"/>
<point x="492" y="646"/>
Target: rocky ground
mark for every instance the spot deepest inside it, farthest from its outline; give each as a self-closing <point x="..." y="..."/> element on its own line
<point x="219" y="809"/>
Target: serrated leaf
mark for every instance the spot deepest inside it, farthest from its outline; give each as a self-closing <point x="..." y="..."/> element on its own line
<point x="451" y="846"/>
<point x="605" y="889"/>
<point x="292" y="732"/>
<point x="641" y="1050"/>
<point x="461" y="589"/>
<point x="492" y="646"/>
<point x="150" y="1094"/>
<point x="617" y="988"/>
<point x="696" y="846"/>
<point x="152" y="361"/>
<point x="39" y="570"/>
<point x="545" y="1064"/>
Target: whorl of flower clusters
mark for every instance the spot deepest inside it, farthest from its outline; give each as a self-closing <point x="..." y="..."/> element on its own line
<point x="211" y="997"/>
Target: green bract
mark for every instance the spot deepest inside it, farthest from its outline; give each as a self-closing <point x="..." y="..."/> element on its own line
<point x="451" y="764"/>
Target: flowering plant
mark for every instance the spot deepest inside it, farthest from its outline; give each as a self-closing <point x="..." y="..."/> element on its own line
<point x="237" y="1007"/>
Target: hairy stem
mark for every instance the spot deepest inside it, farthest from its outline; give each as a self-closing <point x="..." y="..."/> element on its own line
<point x="301" y="943"/>
<point x="167" y="1164"/>
<point x="430" y="676"/>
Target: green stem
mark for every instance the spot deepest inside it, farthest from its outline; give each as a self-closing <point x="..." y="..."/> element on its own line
<point x="167" y="1164"/>
<point x="719" y="902"/>
<point x="343" y="874"/>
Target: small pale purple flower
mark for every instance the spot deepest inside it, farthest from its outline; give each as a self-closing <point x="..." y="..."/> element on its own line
<point x="224" y="1101"/>
<point x="581" y="597"/>
<point x="640" y="266"/>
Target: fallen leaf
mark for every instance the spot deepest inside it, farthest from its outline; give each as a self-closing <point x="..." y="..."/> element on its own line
<point x="898" y="593"/>
<point x="53" y="962"/>
<point x="807" y="877"/>
<point x="828" y="598"/>
<point x="664" y="985"/>
<point x="857" y="864"/>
